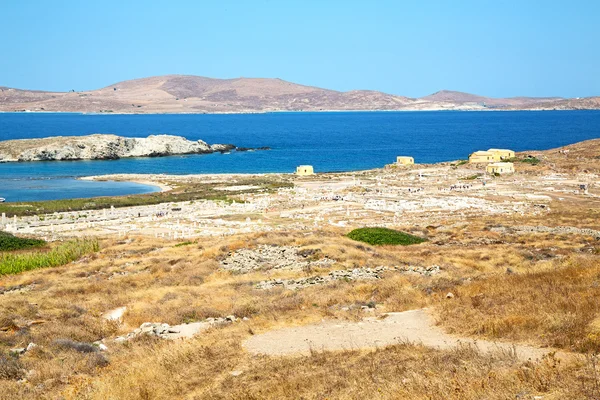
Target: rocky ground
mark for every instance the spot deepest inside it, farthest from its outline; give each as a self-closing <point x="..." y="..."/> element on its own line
<point x="264" y="295"/>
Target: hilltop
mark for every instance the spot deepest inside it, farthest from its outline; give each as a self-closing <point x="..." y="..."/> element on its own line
<point x="453" y="97"/>
<point x="196" y="94"/>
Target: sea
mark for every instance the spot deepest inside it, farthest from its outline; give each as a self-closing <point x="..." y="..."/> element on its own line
<point x="330" y="141"/>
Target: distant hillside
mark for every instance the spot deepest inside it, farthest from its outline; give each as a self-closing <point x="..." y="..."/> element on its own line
<point x="449" y="96"/>
<point x="195" y="94"/>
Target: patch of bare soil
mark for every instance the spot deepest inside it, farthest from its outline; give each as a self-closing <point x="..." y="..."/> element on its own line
<point x="415" y="326"/>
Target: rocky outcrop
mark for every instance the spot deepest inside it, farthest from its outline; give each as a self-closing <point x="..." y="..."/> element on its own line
<point x="347" y="275"/>
<point x="266" y="257"/>
<point x="103" y="147"/>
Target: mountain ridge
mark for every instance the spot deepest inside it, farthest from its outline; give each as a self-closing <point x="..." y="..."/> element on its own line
<point x="197" y="94"/>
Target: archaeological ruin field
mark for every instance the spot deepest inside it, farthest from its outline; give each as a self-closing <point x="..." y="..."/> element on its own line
<point x="473" y="286"/>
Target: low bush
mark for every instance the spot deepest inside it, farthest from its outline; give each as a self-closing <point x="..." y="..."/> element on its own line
<point x="183" y="244"/>
<point x="9" y="242"/>
<point x="527" y="160"/>
<point x="531" y="160"/>
<point x="81" y="347"/>
<point x="384" y="236"/>
<point x="60" y="255"/>
<point x="10" y="368"/>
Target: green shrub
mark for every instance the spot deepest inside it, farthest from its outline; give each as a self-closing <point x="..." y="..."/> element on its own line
<point x="531" y="160"/>
<point x="11" y="263"/>
<point x="384" y="236"/>
<point x="528" y="160"/>
<point x="9" y="242"/>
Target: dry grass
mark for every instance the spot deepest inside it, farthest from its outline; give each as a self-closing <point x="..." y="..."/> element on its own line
<point x="202" y="369"/>
<point x="558" y="307"/>
<point x="549" y="299"/>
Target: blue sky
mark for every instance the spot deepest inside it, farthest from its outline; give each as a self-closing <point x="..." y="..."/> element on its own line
<point x="413" y="48"/>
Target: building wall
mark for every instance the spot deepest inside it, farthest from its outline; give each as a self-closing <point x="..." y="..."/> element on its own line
<point x="503" y="168"/>
<point x="502" y="154"/>
<point x="305" y="170"/>
<point x="483" y="157"/>
<point x="492" y="155"/>
<point x="403" y="160"/>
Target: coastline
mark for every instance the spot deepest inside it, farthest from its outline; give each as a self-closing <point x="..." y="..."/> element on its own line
<point x="134" y="178"/>
<point x="303" y="111"/>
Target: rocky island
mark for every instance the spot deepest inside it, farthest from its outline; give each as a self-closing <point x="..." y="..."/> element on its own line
<point x="105" y="147"/>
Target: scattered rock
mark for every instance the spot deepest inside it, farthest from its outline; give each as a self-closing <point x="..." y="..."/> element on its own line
<point x="273" y="257"/>
<point x="115" y="315"/>
<point x="558" y="230"/>
<point x="182" y="331"/>
<point x="101" y="346"/>
<point x="450" y="295"/>
<point x="346" y="275"/>
<point x="16" y="289"/>
<point x="17" y="351"/>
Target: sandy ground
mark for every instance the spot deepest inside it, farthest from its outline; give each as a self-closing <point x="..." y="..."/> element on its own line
<point x="135" y="179"/>
<point x="415" y="326"/>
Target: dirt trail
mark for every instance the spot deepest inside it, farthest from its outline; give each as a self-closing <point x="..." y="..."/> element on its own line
<point x="415" y="326"/>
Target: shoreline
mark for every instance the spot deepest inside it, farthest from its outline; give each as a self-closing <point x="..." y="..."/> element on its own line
<point x="301" y="111"/>
<point x="119" y="178"/>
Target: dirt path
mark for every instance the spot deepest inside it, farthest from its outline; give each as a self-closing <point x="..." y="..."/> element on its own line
<point x="415" y="326"/>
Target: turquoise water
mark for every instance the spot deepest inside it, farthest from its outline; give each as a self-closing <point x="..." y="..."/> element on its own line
<point x="67" y="188"/>
<point x="330" y="141"/>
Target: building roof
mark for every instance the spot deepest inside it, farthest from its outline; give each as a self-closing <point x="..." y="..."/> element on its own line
<point x="482" y="153"/>
<point x="506" y="150"/>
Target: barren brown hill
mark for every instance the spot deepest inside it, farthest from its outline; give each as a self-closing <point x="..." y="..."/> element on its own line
<point x="454" y="97"/>
<point x="583" y="103"/>
<point x="196" y="94"/>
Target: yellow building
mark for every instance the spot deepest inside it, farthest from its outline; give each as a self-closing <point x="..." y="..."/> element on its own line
<point x="502" y="154"/>
<point x="491" y="155"/>
<point x="404" y="160"/>
<point x="482" y="157"/>
<point x="303" y="170"/>
<point x="500" y="168"/>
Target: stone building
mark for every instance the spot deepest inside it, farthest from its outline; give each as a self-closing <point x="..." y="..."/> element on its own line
<point x="502" y="154"/>
<point x="405" y="160"/>
<point x="481" y="157"/>
<point x="304" y="170"/>
<point x="500" y="168"/>
<point x="491" y="155"/>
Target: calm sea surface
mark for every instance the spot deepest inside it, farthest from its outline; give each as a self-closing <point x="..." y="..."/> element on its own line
<point x="331" y="141"/>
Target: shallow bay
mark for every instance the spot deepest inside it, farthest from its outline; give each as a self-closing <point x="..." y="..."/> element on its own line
<point x="330" y="141"/>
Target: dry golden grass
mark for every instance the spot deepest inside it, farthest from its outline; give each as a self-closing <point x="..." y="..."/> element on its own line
<point x="556" y="307"/>
<point x="202" y="369"/>
<point x="548" y="300"/>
